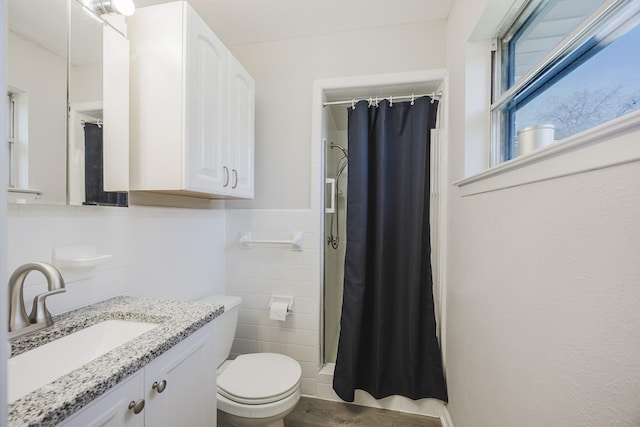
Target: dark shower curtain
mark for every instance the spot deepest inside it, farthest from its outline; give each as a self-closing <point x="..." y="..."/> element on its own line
<point x="94" y="171"/>
<point x="388" y="343"/>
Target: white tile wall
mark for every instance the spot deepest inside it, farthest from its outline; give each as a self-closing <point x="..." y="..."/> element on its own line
<point x="258" y="272"/>
<point x="158" y="252"/>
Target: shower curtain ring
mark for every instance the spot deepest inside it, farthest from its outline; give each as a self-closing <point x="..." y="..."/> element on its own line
<point x="353" y="104"/>
<point x="391" y="101"/>
<point x="370" y="102"/>
<point x="413" y="99"/>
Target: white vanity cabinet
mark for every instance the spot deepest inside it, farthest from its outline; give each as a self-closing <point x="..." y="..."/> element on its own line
<point x="112" y="408"/>
<point x="178" y="389"/>
<point x="192" y="118"/>
<point x="181" y="385"/>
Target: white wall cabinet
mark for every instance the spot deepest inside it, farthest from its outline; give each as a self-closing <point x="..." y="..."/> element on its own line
<point x="192" y="107"/>
<point x="178" y="389"/>
<point x="239" y="158"/>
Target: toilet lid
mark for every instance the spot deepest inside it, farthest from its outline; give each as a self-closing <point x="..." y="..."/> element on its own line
<point x="259" y="378"/>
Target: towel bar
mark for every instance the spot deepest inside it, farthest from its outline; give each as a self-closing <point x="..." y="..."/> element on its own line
<point x="295" y="241"/>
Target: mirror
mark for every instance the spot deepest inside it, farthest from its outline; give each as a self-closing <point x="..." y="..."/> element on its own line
<point x="98" y="155"/>
<point x="37" y="99"/>
<point x="58" y="55"/>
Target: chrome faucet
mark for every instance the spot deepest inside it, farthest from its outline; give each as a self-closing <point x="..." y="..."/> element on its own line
<point x="19" y="323"/>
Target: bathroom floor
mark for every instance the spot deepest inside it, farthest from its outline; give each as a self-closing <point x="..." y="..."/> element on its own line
<point x="323" y="413"/>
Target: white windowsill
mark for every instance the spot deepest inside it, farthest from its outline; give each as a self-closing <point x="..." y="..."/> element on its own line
<point x="609" y="144"/>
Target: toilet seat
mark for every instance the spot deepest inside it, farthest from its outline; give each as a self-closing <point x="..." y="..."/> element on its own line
<point x="259" y="378"/>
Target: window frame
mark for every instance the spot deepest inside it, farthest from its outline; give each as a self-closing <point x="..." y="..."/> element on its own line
<point x="604" y="22"/>
<point x="11" y="133"/>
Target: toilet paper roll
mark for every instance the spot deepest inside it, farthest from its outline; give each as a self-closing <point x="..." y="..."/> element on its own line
<point x="278" y="311"/>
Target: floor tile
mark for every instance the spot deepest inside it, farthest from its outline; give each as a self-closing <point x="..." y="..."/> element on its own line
<point x="324" y="413"/>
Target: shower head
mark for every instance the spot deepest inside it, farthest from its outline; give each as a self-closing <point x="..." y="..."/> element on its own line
<point x="342" y="162"/>
<point x="345" y="152"/>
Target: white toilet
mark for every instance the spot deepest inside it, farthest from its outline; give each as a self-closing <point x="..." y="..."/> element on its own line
<point x="257" y="389"/>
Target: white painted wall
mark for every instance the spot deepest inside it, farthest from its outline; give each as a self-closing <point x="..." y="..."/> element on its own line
<point x="86" y="83"/>
<point x="4" y="162"/>
<point x="284" y="72"/>
<point x="158" y="252"/>
<point x="542" y="303"/>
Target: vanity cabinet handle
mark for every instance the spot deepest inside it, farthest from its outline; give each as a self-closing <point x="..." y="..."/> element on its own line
<point x="226" y="176"/>
<point x="137" y="407"/>
<point x="235" y="174"/>
<point x="159" y="386"/>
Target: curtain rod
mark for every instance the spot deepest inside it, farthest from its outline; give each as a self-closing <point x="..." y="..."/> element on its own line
<point x="98" y="122"/>
<point x="375" y="99"/>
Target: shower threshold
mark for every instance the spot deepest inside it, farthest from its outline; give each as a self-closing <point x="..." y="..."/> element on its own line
<point x="327" y="369"/>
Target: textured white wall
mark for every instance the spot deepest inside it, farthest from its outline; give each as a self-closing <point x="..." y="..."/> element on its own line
<point x="543" y="303"/>
<point x="284" y="72"/>
<point x="543" y="289"/>
<point x="158" y="252"/>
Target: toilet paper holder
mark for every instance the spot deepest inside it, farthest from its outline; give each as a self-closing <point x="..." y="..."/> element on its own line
<point x="283" y="298"/>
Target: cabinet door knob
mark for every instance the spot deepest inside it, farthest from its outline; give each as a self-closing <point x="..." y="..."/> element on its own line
<point x="137" y="407"/>
<point x="159" y="386"/>
<point x="226" y="176"/>
<point x="235" y="174"/>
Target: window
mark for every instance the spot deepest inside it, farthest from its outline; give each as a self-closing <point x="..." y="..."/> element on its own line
<point x="571" y="64"/>
<point x="11" y="121"/>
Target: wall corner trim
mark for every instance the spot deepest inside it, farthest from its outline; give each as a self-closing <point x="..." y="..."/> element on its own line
<point x="445" y="417"/>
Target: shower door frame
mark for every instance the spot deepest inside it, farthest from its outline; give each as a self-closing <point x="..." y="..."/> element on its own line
<point x="356" y="85"/>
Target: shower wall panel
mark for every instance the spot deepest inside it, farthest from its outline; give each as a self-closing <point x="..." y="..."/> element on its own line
<point x="334" y="258"/>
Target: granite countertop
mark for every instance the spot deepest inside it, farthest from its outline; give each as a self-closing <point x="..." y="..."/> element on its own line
<point x="58" y="400"/>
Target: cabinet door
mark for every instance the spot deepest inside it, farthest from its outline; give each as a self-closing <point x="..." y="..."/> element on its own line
<point x="156" y="97"/>
<point x="112" y="408"/>
<point x="241" y="132"/>
<point x="205" y="115"/>
<point x="181" y="384"/>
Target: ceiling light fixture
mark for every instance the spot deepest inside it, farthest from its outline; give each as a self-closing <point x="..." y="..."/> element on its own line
<point x="123" y="7"/>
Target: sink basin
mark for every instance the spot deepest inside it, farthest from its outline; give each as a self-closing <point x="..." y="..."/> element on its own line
<point x="33" y="369"/>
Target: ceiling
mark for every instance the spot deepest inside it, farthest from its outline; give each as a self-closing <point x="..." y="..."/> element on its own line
<point x="239" y="22"/>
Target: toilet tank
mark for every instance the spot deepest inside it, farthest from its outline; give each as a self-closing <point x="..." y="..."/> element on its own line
<point x="224" y="326"/>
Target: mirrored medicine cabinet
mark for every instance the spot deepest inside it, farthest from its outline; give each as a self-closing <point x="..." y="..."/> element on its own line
<point x="68" y="104"/>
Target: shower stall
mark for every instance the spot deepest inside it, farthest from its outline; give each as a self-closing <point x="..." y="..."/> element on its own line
<point x="335" y="172"/>
<point x="337" y="159"/>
